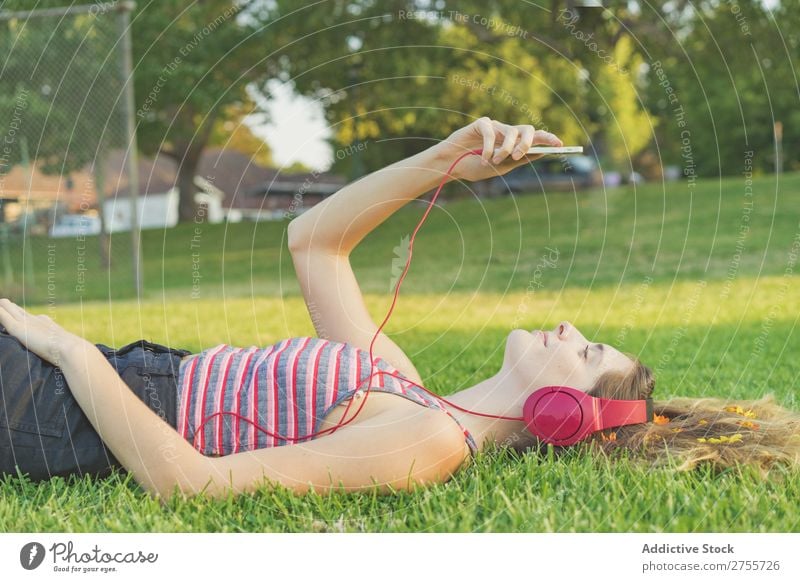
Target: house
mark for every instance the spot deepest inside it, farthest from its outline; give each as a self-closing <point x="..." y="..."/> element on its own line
<point x="249" y="191"/>
<point x="231" y="188"/>
<point x="258" y="193"/>
<point x="160" y="209"/>
<point x="31" y="201"/>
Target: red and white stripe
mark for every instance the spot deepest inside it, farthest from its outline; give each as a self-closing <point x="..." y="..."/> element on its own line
<point x="311" y="385"/>
<point x="240" y="374"/>
<point x="291" y="405"/>
<point x="333" y="374"/>
<point x="220" y="400"/>
<point x="205" y="377"/>
<point x="253" y="415"/>
<point x="253" y="374"/>
<point x="189" y="368"/>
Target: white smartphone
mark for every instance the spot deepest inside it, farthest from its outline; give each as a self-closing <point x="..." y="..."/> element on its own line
<point x="556" y="150"/>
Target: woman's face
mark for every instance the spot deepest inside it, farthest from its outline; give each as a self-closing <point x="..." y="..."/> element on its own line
<point x="560" y="358"/>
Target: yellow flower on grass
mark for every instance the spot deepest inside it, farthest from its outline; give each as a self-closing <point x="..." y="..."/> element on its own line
<point x="739" y="410"/>
<point x="723" y="439"/>
<point x="610" y="437"/>
<point x="651" y="437"/>
<point x="658" y="419"/>
<point x="748" y="424"/>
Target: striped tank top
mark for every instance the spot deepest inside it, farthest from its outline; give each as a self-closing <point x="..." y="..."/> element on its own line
<point x="287" y="388"/>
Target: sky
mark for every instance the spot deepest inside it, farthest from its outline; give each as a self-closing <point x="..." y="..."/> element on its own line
<point x="297" y="130"/>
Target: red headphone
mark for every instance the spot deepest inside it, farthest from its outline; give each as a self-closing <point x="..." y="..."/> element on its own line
<point x="561" y="415"/>
<point x="558" y="415"/>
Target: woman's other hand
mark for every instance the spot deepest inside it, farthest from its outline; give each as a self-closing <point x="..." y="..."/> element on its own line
<point x="38" y="333"/>
<point x="511" y="141"/>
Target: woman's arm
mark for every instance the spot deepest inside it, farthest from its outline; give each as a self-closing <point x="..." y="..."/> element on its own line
<point x="340" y="222"/>
<point x="391" y="449"/>
<point x="320" y="240"/>
<point x="144" y="443"/>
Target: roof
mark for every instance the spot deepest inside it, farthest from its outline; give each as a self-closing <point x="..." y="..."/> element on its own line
<point x="244" y="182"/>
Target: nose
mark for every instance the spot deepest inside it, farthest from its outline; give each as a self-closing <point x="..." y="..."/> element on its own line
<point x="563" y="330"/>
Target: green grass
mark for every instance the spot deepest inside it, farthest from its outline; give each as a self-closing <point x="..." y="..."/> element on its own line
<point x="656" y="273"/>
<point x="612" y="238"/>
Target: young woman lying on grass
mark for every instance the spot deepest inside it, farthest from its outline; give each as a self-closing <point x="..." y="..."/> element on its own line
<point x="187" y="422"/>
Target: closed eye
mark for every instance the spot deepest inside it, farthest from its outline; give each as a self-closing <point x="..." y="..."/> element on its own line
<point x="586" y="353"/>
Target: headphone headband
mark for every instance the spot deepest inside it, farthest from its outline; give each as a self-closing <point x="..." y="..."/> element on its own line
<point x="621" y="412"/>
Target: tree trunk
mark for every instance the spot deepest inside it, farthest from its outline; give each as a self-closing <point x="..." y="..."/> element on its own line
<point x="187" y="189"/>
<point x="187" y="155"/>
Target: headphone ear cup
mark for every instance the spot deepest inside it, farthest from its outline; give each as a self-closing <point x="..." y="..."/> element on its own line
<point x="554" y="415"/>
<point x="528" y="411"/>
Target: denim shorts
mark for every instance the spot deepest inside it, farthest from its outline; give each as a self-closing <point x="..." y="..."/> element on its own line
<point x="43" y="431"/>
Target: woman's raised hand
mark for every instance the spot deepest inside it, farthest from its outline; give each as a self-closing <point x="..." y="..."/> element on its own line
<point x="38" y="333"/>
<point x="511" y="142"/>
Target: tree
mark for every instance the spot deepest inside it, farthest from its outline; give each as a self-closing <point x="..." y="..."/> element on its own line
<point x="66" y="117"/>
<point x="627" y="127"/>
<point x="353" y="58"/>
<point x="732" y="77"/>
<point x="192" y="66"/>
<point x="783" y="77"/>
<point x="296" y="167"/>
<point x="231" y="132"/>
<point x="407" y="74"/>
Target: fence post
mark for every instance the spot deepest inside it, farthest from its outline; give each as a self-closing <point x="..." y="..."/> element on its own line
<point x="125" y="8"/>
<point x="27" y="255"/>
<point x="8" y="272"/>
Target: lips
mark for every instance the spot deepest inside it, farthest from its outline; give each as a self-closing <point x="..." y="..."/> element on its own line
<point x="544" y="335"/>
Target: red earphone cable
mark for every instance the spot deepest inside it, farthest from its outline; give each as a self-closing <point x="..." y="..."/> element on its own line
<point x="201" y="428"/>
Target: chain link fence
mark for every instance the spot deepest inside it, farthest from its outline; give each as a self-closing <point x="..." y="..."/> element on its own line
<point x="67" y="155"/>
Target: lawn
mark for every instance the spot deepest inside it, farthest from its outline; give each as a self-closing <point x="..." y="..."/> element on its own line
<point x="699" y="283"/>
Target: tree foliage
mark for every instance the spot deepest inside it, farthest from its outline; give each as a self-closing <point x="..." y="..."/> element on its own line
<point x="193" y="63"/>
<point x="632" y="81"/>
<point x="231" y="132"/>
<point x="404" y="74"/>
<point x="59" y="85"/>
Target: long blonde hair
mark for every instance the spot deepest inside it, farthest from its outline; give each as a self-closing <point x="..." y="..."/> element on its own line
<point x="687" y="432"/>
<point x="724" y="433"/>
